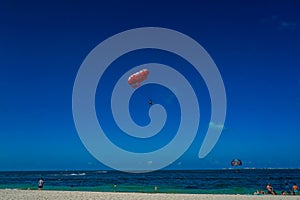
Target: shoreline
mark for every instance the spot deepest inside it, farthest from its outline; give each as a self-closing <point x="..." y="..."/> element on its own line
<point x="79" y="195"/>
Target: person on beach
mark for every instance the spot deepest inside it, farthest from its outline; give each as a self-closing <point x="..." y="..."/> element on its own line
<point x="283" y="192"/>
<point x="41" y="184"/>
<point x="270" y="189"/>
<point x="295" y="189"/>
<point x="287" y="187"/>
<point x="259" y="192"/>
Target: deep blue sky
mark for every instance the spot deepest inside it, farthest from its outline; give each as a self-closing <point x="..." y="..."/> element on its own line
<point x="255" y="45"/>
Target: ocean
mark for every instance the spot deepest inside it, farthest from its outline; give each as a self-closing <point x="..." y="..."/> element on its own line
<point x="225" y="181"/>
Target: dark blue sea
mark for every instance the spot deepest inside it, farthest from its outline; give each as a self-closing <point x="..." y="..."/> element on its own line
<point x="226" y="181"/>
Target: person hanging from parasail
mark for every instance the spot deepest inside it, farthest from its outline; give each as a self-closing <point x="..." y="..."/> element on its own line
<point x="137" y="78"/>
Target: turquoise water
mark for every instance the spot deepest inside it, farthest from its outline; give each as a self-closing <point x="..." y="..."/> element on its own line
<point x="244" y="181"/>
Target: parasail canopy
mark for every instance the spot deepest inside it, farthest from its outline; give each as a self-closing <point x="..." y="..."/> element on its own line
<point x="135" y="79"/>
<point x="236" y="162"/>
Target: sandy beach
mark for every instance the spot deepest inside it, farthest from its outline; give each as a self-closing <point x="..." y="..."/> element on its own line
<point x="76" y="195"/>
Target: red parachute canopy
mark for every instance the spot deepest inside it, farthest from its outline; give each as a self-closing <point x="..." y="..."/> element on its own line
<point x="135" y="79"/>
<point x="236" y="162"/>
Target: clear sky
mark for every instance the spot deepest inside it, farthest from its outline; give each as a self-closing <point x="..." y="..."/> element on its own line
<point x="255" y="45"/>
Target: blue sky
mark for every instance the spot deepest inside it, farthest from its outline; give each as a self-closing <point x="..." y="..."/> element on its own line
<point x="255" y="45"/>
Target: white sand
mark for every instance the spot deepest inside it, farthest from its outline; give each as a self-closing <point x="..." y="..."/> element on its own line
<point x="75" y="195"/>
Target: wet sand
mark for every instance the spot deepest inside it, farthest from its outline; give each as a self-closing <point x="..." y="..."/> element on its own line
<point x="77" y="195"/>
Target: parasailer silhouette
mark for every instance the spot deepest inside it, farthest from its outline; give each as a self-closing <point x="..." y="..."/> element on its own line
<point x="150" y="102"/>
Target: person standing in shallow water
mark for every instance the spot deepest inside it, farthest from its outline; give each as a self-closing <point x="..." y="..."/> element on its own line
<point x="41" y="184"/>
<point x="270" y="189"/>
<point x="295" y="189"/>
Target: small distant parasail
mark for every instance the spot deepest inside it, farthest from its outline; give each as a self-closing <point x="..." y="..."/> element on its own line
<point x="137" y="78"/>
<point x="236" y="162"/>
